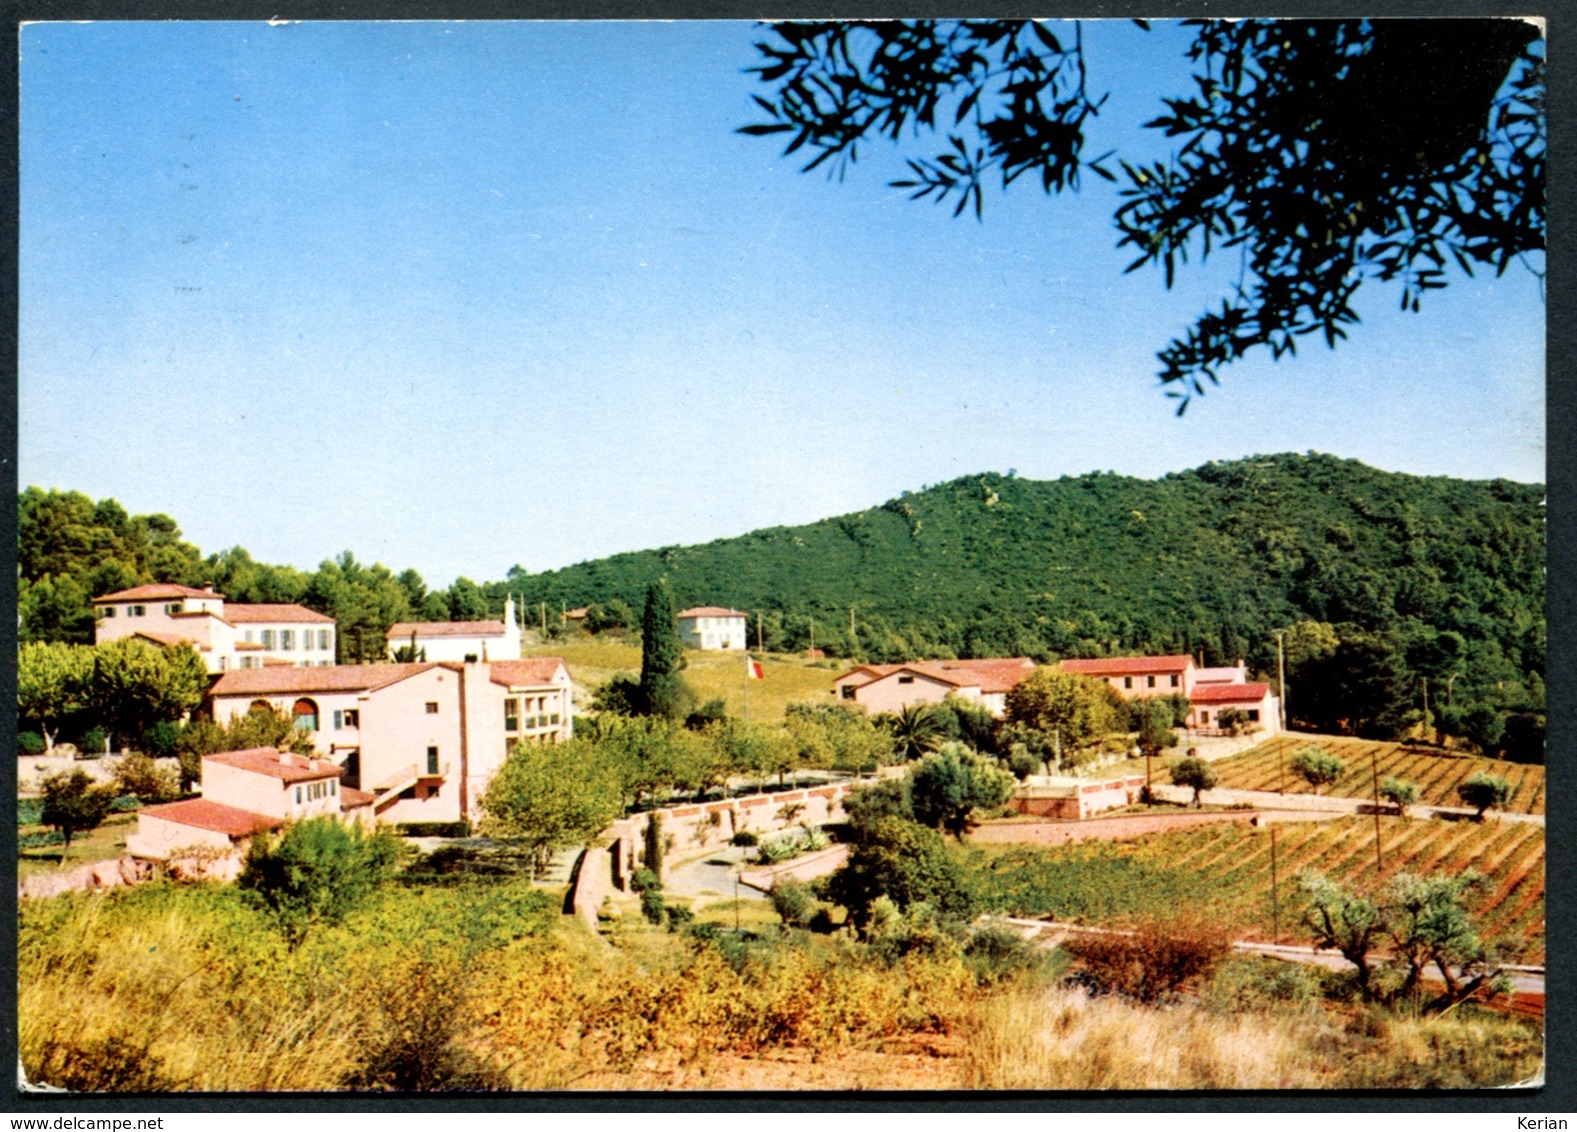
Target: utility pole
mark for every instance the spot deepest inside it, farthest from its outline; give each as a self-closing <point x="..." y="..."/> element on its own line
<point x="1275" y="897"/>
<point x="543" y="610"/>
<point x="812" y="634"/>
<point x="1374" y="773"/>
<point x="1425" y="681"/>
<point x="758" y="631"/>
<point x="1281" y="680"/>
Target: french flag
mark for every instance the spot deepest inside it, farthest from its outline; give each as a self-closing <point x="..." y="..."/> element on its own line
<point x="752" y="669"/>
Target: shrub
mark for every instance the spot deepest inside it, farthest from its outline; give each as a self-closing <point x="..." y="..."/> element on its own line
<point x="652" y="905"/>
<point x="1022" y="764"/>
<point x="317" y="872"/>
<point x="905" y="862"/>
<point x="652" y="854"/>
<point x="644" y="880"/>
<point x="744" y="839"/>
<point x="791" y="900"/>
<point x="1155" y="959"/>
<point x="30" y="743"/>
<point x="92" y="743"/>
<point x="995" y="952"/>
<point x="162" y="739"/>
<point x="29" y="811"/>
<point x="139" y="775"/>
<point x="679" y="917"/>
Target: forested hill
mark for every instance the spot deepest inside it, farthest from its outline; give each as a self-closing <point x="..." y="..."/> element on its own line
<point x="1416" y="578"/>
<point x="1205" y="561"/>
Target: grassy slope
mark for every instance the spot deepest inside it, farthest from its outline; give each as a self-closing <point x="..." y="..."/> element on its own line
<point x="105" y="843"/>
<point x="593" y="661"/>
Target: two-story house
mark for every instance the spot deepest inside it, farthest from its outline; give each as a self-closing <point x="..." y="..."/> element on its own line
<point x="984" y="682"/>
<point x="227" y="635"/>
<point x="459" y="640"/>
<point x="712" y="627"/>
<point x="1209" y="691"/>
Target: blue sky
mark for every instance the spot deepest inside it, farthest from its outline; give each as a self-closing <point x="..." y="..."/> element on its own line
<point x="459" y="296"/>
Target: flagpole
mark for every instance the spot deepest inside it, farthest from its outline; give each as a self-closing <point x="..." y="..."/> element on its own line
<point x="747" y="685"/>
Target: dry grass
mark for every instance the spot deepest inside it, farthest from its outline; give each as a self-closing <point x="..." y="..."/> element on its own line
<point x="1060" y="1038"/>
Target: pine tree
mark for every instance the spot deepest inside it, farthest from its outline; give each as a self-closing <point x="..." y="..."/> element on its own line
<point x="661" y="651"/>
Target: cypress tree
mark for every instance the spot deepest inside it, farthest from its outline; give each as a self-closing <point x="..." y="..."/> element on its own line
<point x="654" y="845"/>
<point x="661" y="652"/>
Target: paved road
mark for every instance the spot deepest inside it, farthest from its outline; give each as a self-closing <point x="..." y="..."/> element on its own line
<point x="711" y="877"/>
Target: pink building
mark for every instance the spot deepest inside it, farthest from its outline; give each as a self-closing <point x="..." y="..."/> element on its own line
<point x="1209" y="690"/>
<point x="245" y="793"/>
<point x="423" y="739"/>
<point x="892" y="687"/>
<point x="227" y="635"/>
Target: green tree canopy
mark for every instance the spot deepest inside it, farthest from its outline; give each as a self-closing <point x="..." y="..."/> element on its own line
<point x="74" y="804"/>
<point x="949" y="788"/>
<point x="135" y="684"/>
<point x="1484" y="791"/>
<point x="1317" y="766"/>
<point x="905" y="862"/>
<point x="551" y="796"/>
<point x="1197" y="775"/>
<point x="52" y="684"/>
<point x="1321" y="154"/>
<point x="1075" y="709"/>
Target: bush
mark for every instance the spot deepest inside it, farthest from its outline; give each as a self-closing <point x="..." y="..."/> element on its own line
<point x="1399" y="793"/>
<point x="679" y="917"/>
<point x="644" y="880"/>
<point x="139" y="775"/>
<point x="791" y="900"/>
<point x="1155" y="959"/>
<point x="652" y="905"/>
<point x="905" y="862"/>
<point x="317" y="872"/>
<point x="74" y="804"/>
<point x="744" y="839"/>
<point x="30" y="743"/>
<point x="162" y="739"/>
<point x="91" y="745"/>
<point x="29" y="811"/>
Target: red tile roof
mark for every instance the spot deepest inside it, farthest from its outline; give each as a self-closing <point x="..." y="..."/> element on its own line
<point x="203" y="814"/>
<point x="711" y="611"/>
<point x="277" y="764"/>
<point x="1228" y="693"/>
<point x="156" y="590"/>
<point x="351" y="798"/>
<point x="989" y="674"/>
<point x="168" y="640"/>
<point x="1128" y="665"/>
<point x="402" y="630"/>
<point x="332" y="678"/>
<point x="532" y="672"/>
<point x="290" y="614"/>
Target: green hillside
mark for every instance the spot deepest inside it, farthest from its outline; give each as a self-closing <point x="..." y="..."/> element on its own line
<point x="1207" y="561"/>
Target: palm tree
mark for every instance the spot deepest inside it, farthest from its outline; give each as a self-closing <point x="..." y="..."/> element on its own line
<point x="917" y="730"/>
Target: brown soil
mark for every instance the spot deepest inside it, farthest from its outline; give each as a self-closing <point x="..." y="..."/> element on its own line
<point x="926" y="1061"/>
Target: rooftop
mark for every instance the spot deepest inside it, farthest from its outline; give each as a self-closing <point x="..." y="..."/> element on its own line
<point x="274" y="613"/>
<point x="332" y="678"/>
<point x="277" y="764"/>
<point x="1128" y="665"/>
<point x="203" y="814"/>
<point x="1228" y="693"/>
<point x="712" y="611"/>
<point x="156" y="591"/>
<point x="402" y="630"/>
<point x="533" y="671"/>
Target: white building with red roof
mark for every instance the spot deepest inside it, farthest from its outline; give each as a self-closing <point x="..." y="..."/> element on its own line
<point x="713" y="627"/>
<point x="227" y="635"/>
<point x="892" y="687"/>
<point x="1209" y="691"/>
<point x="459" y="640"/>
